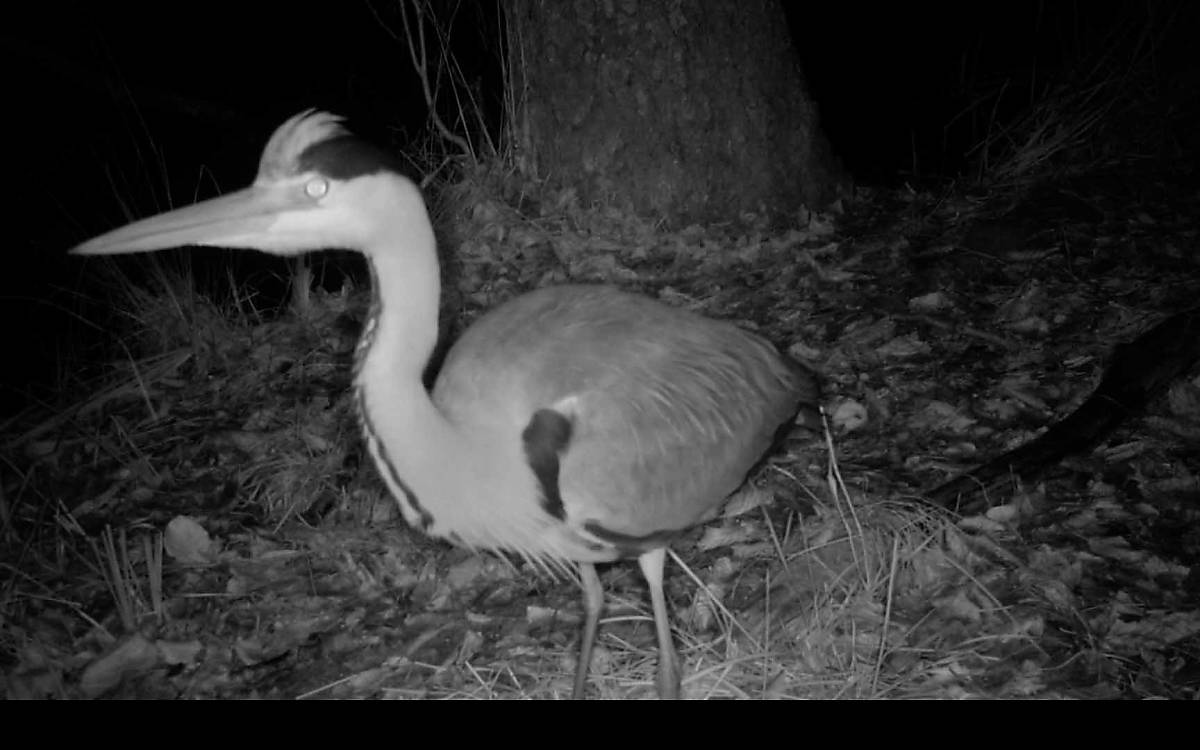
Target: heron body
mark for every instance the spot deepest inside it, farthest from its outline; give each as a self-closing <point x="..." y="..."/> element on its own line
<point x="571" y="425"/>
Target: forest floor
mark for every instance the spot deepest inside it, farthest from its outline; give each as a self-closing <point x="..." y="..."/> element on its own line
<point x="205" y="524"/>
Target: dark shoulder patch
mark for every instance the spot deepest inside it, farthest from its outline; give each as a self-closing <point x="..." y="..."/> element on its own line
<point x="546" y="438"/>
<point x="347" y="156"/>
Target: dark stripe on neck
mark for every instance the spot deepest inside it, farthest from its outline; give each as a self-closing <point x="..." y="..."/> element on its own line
<point x="546" y="438"/>
<point x="383" y="462"/>
<point x="366" y="338"/>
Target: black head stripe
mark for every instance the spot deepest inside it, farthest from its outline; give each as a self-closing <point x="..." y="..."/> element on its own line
<point x="345" y="157"/>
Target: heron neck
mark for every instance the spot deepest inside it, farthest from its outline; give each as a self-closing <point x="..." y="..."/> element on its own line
<point x="408" y="437"/>
<point x="403" y="327"/>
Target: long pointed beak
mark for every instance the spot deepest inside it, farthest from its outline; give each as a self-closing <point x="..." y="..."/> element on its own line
<point x="244" y="219"/>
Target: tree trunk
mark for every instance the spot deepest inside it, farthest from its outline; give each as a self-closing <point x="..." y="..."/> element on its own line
<point x="688" y="110"/>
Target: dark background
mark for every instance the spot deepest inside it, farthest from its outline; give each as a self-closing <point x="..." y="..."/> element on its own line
<point x="120" y="112"/>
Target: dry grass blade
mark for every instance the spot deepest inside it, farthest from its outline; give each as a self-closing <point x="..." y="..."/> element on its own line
<point x="135" y="384"/>
<point x="134" y="599"/>
<point x="415" y="17"/>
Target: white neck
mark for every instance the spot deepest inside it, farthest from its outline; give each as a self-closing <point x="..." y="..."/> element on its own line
<point x="406" y="434"/>
<point x="406" y="292"/>
<point x="402" y="252"/>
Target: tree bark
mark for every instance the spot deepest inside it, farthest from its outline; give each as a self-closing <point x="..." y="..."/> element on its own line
<point x="688" y="110"/>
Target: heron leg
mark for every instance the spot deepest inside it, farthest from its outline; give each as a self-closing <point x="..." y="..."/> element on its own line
<point x="652" y="563"/>
<point x="593" y="602"/>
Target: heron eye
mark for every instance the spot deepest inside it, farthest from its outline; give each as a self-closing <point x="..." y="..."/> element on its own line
<point x="316" y="187"/>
